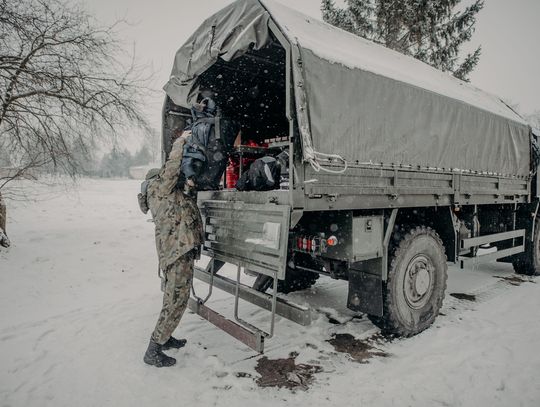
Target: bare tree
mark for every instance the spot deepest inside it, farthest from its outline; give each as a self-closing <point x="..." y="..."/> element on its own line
<point x="62" y="86"/>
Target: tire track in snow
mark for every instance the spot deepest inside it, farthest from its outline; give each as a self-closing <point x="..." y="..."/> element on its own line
<point x="454" y="306"/>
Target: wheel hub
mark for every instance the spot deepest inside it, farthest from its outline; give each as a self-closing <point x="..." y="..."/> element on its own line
<point x="418" y="283"/>
<point x="421" y="281"/>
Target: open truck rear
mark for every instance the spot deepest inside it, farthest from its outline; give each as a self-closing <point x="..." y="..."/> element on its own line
<point x="394" y="168"/>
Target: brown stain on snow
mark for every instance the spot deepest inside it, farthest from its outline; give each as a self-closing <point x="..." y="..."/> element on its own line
<point x="360" y="350"/>
<point x="285" y="373"/>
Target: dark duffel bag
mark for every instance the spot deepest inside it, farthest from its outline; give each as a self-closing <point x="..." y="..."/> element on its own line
<point x="263" y="175"/>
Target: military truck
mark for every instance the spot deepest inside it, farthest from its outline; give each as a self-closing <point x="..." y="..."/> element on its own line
<point x="396" y="168"/>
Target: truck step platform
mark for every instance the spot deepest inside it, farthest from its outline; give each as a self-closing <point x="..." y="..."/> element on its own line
<point x="253" y="339"/>
<point x="244" y="332"/>
<point x="518" y="246"/>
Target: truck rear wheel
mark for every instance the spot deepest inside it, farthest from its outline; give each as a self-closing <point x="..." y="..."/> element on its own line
<point x="414" y="290"/>
<point x="528" y="263"/>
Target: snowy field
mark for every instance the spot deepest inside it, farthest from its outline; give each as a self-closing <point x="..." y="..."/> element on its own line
<point x="79" y="297"/>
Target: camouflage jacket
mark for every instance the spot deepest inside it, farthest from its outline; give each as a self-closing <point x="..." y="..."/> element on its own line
<point x="176" y="216"/>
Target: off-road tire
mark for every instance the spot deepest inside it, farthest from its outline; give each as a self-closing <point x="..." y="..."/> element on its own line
<point x="406" y="311"/>
<point x="295" y="280"/>
<point x="528" y="263"/>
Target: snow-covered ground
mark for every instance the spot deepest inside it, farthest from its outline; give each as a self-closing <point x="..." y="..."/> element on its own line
<point x="79" y="296"/>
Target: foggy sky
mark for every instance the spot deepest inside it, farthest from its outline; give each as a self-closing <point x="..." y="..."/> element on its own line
<point x="509" y="32"/>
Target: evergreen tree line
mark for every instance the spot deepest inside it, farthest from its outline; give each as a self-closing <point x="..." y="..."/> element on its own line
<point x="115" y="163"/>
<point x="432" y="31"/>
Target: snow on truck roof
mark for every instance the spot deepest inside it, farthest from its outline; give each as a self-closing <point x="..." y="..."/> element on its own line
<point x="339" y="46"/>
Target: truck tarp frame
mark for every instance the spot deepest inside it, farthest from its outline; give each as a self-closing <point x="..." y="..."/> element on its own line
<point x="361" y="101"/>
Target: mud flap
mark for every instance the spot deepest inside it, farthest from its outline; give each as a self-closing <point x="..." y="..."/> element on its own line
<point x="366" y="288"/>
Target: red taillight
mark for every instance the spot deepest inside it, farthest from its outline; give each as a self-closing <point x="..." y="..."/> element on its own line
<point x="311" y="244"/>
<point x="332" y="241"/>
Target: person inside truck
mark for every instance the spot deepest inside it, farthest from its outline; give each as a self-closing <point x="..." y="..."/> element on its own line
<point x="179" y="235"/>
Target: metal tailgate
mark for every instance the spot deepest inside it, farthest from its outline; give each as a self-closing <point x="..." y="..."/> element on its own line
<point x="253" y="236"/>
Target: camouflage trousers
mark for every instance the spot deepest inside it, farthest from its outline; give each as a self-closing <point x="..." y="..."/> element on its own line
<point x="176" y="287"/>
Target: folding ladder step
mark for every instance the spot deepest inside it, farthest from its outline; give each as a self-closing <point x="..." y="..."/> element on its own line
<point x="253" y="339"/>
<point x="286" y="309"/>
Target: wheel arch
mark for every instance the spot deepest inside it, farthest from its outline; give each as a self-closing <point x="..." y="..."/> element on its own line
<point x="441" y="219"/>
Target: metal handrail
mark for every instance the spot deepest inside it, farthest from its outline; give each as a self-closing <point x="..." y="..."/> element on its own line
<point x="210" y="266"/>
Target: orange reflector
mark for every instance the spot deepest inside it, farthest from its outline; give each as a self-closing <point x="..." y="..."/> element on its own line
<point x="332" y="241"/>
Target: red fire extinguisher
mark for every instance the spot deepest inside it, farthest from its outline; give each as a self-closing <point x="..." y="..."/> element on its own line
<point x="232" y="172"/>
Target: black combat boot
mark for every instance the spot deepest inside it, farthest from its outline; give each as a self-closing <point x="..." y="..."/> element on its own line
<point x="174" y="343"/>
<point x="155" y="357"/>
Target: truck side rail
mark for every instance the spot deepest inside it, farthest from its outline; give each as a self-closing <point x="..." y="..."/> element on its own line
<point x="372" y="186"/>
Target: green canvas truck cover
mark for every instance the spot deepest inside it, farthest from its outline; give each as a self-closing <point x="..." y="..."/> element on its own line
<point x="361" y="101"/>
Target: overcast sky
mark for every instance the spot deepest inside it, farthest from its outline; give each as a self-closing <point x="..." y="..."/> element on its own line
<point x="509" y="32"/>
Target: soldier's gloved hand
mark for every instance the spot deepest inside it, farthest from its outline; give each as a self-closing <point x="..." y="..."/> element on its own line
<point x="178" y="145"/>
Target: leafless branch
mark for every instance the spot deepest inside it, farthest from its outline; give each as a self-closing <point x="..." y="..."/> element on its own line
<point x="62" y="85"/>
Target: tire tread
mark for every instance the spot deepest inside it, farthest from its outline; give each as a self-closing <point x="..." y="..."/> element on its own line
<point x="388" y="323"/>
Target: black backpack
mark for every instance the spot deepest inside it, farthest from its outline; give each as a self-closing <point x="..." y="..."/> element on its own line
<point x="207" y="150"/>
<point x="263" y="175"/>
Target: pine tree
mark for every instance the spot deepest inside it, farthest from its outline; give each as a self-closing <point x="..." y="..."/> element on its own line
<point x="432" y="31"/>
<point x="116" y="163"/>
<point x="143" y="156"/>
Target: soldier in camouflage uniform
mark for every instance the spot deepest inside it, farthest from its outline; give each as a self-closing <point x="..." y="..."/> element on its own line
<point x="4" y="241"/>
<point x="178" y="238"/>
